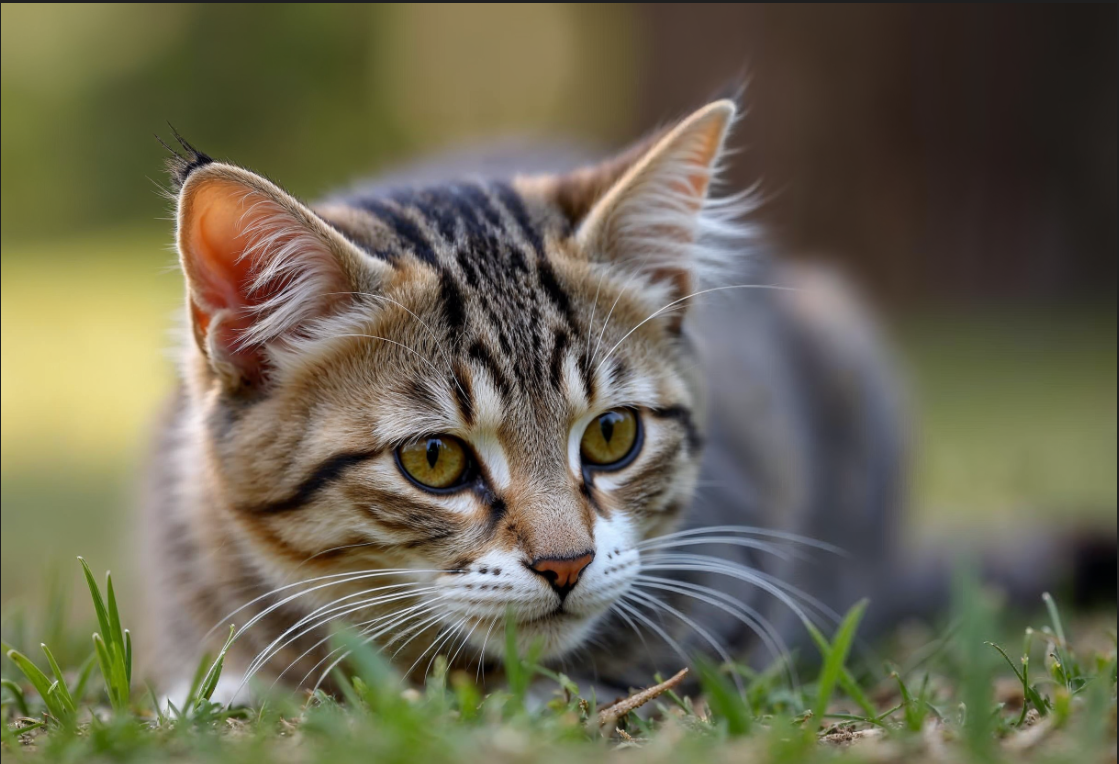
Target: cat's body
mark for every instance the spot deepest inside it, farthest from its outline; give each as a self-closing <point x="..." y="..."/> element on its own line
<point x="495" y="325"/>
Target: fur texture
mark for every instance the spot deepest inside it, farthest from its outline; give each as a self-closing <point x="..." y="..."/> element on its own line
<point x="509" y="313"/>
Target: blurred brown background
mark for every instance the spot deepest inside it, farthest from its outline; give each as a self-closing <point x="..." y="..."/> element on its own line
<point x="959" y="161"/>
<point x="942" y="151"/>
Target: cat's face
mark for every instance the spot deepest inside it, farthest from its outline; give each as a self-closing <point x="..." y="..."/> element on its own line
<point x="484" y="386"/>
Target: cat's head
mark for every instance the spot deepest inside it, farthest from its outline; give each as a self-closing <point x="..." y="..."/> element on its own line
<point x="489" y="381"/>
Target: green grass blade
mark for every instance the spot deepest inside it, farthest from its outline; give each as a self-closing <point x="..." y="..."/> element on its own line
<point x="1010" y="663"/>
<point x="976" y="664"/>
<point x="84" y="673"/>
<point x="98" y="603"/>
<point x="836" y="657"/>
<point x="349" y="687"/>
<point x="159" y="715"/>
<point x="64" y="709"/>
<point x="117" y="634"/>
<point x="105" y="663"/>
<point x="1059" y="630"/>
<point x="120" y="674"/>
<point x="1054" y="616"/>
<point x="42" y="685"/>
<point x="210" y="683"/>
<point x="175" y="710"/>
<point x="128" y="655"/>
<point x="196" y="682"/>
<point x="846" y="681"/>
<point x="723" y="699"/>
<point x="17" y="696"/>
<point x="37" y="678"/>
<point x="63" y="691"/>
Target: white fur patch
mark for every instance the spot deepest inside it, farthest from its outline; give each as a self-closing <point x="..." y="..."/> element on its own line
<point x="492" y="456"/>
<point x="489" y="407"/>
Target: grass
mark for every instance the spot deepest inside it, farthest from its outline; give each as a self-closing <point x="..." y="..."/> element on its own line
<point x="965" y="696"/>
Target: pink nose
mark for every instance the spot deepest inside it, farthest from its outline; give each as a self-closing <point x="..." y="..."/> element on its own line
<point x="562" y="573"/>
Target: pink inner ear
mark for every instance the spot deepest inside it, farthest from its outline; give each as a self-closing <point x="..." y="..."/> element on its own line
<point x="217" y="243"/>
<point x="221" y="275"/>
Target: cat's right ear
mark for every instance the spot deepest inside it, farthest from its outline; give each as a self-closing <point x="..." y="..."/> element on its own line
<point x="262" y="270"/>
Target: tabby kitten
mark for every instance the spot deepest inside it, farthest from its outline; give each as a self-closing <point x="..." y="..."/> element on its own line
<point x="418" y="408"/>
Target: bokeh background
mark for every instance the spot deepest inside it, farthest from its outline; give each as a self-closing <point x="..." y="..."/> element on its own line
<point x="959" y="162"/>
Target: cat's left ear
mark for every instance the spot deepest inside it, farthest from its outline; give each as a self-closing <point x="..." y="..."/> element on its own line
<point x="648" y="209"/>
<point x="263" y="271"/>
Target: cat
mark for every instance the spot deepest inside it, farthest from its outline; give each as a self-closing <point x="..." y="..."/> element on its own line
<point x="420" y="406"/>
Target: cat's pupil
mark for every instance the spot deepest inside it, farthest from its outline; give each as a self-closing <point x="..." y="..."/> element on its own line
<point x="607" y="426"/>
<point x="432" y="452"/>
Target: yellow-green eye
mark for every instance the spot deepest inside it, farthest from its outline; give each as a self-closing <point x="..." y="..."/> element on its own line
<point x="611" y="438"/>
<point x="438" y="462"/>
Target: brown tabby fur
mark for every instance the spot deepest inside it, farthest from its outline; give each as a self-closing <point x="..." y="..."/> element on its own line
<point x="483" y="310"/>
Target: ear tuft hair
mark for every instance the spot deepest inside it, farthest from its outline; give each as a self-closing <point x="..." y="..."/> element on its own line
<point x="661" y="217"/>
<point x="179" y="167"/>
<point x="733" y="90"/>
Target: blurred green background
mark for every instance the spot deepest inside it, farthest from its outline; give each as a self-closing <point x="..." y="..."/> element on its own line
<point x="959" y="162"/>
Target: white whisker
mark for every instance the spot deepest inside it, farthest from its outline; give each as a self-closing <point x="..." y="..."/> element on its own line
<point x="653" y="602"/>
<point x="707" y="564"/>
<point x="358" y="577"/>
<point x="739" y="610"/>
<point x="395" y="615"/>
<point x="308" y="624"/>
<point x="606" y="322"/>
<point x="368" y="638"/>
<point x="485" y="641"/>
<point x="465" y="640"/>
<point x="632" y="625"/>
<point x="440" y="638"/>
<point x="633" y="611"/>
<point x="676" y="302"/>
<point x="762" y="546"/>
<point x="338" y="578"/>
<point x="327" y="613"/>
<point x="748" y="530"/>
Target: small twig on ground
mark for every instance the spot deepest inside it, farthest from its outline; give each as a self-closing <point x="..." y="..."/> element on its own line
<point x="615" y="711"/>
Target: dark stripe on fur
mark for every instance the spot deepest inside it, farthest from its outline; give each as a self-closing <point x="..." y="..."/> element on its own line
<point x="405" y="229"/>
<point x="325" y="474"/>
<point x="450" y="296"/>
<point x="436" y="205"/>
<point x="481" y="354"/>
<point x="588" y="374"/>
<point x="683" y="415"/>
<point x="554" y="291"/>
<point x="556" y="365"/>
<point x="464" y="395"/>
<point x="516" y="208"/>
<point x="480" y="205"/>
<point x="415" y="523"/>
